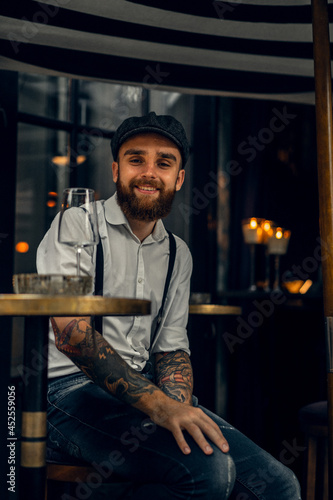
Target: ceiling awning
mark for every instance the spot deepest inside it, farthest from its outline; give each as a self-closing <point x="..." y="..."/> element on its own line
<point x="249" y="48"/>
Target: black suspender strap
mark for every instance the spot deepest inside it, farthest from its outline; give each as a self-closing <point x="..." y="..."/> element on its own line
<point x="172" y="257"/>
<point x="99" y="279"/>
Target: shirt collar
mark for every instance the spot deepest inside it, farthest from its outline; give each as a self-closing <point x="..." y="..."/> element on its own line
<point x="113" y="212"/>
<point x="115" y="216"/>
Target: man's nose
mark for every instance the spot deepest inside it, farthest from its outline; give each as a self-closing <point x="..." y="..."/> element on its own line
<point x="149" y="169"/>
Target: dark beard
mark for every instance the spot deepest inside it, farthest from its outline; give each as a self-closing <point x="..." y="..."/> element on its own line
<point x="140" y="209"/>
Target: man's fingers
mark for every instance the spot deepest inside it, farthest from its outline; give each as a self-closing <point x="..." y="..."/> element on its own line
<point x="205" y="426"/>
<point x="179" y="437"/>
<point x="199" y="425"/>
<point x="199" y="438"/>
<point x="198" y="431"/>
<point x="213" y="432"/>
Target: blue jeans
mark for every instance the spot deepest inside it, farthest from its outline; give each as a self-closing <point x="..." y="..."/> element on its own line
<point x="87" y="423"/>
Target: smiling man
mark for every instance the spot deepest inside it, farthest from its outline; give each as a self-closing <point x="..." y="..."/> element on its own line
<point x="148" y="178"/>
<point x="104" y="405"/>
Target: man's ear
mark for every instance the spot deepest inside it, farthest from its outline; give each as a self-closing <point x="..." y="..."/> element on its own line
<point x="180" y="179"/>
<point x="115" y="171"/>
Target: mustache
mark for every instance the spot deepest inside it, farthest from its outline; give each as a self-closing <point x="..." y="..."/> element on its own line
<point x="151" y="183"/>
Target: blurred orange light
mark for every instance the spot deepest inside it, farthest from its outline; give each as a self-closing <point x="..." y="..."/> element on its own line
<point x="22" y="247"/>
<point x="64" y="161"/>
<point x="253" y="223"/>
<point x="305" y="287"/>
<point x="51" y="203"/>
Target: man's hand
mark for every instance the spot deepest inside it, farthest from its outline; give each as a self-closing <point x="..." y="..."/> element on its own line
<point x="178" y="417"/>
<point x="174" y="377"/>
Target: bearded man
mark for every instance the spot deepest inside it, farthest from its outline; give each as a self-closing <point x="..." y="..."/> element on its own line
<point x="105" y="407"/>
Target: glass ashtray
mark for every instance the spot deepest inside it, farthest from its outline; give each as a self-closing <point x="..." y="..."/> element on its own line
<point x="52" y="284"/>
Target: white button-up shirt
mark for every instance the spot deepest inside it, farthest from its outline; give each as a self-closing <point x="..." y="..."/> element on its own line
<point x="132" y="269"/>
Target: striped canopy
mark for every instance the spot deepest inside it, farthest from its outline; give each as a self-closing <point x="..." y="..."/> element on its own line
<point x="248" y="48"/>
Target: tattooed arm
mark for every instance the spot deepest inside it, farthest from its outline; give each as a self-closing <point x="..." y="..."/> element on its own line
<point x="99" y="361"/>
<point x="90" y="352"/>
<point x="174" y="375"/>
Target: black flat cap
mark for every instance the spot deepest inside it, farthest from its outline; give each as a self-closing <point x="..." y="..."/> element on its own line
<point x="165" y="125"/>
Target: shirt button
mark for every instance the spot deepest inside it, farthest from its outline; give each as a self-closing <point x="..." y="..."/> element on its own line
<point x="140" y="280"/>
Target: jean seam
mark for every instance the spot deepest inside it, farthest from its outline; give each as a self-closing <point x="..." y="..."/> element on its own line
<point x="250" y="489"/>
<point x="72" y="445"/>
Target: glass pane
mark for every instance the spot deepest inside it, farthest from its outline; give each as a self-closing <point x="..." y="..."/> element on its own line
<point x="39" y="180"/>
<point x="45" y="96"/>
<point x="95" y="170"/>
<point x="105" y="106"/>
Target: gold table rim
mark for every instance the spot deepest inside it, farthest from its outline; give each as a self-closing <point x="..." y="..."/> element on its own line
<point x="71" y="305"/>
<point x="215" y="309"/>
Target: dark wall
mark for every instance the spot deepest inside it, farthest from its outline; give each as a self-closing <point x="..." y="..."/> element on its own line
<point x="8" y="136"/>
<point x="202" y="207"/>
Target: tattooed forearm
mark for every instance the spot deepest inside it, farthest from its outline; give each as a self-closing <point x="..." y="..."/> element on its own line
<point x="174" y="375"/>
<point x="99" y="361"/>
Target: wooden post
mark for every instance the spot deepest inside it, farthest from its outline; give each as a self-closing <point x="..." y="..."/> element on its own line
<point x="322" y="66"/>
<point x="33" y="439"/>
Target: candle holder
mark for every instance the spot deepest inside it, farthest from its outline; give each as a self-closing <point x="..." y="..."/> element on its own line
<point x="277" y="245"/>
<point x="253" y="234"/>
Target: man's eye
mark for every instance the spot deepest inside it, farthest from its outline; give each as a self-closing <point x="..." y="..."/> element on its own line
<point x="135" y="160"/>
<point x="164" y="165"/>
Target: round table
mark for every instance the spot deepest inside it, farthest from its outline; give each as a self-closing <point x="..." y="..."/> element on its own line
<point x="37" y="309"/>
<point x="62" y="305"/>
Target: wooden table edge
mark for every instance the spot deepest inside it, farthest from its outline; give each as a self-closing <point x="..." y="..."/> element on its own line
<point x="215" y="309"/>
<point x="69" y="305"/>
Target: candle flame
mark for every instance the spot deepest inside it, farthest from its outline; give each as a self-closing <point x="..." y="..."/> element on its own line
<point x="253" y="223"/>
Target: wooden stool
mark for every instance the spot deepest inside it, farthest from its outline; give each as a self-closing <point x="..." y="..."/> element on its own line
<point x="78" y="479"/>
<point x="314" y="423"/>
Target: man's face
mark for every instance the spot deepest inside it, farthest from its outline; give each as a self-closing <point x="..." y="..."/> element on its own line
<point x="147" y="175"/>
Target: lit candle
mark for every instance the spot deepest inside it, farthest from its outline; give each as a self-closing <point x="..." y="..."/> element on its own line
<point x="252" y="230"/>
<point x="277" y="243"/>
<point x="267" y="226"/>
